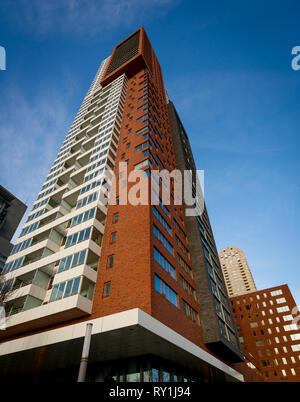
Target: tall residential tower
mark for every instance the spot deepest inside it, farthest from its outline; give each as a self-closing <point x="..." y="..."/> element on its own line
<point x="147" y="276"/>
<point x="237" y="274"/>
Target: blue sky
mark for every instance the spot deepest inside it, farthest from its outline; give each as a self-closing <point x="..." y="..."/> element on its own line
<point x="227" y="67"/>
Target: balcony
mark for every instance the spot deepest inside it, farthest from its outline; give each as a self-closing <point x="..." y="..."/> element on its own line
<point x="26" y="289"/>
<point x="78" y="174"/>
<point x="19" y="319"/>
<point x="80" y="270"/>
<point x="40" y="250"/>
<point x="84" y="158"/>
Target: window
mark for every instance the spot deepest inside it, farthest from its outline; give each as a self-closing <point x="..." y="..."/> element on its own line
<point x="276" y="293"/>
<point x="163" y="207"/>
<point x="253" y="324"/>
<point x="290" y="327"/>
<point x="281" y="300"/>
<point x="164" y="289"/>
<point x="116" y="217"/>
<point x="282" y="309"/>
<point x="259" y="343"/>
<point x="162" y="239"/>
<point x="87" y="200"/>
<point x="71" y="261"/>
<point x="190" y="312"/>
<point x="113" y="237"/>
<point x="110" y="261"/>
<point x="106" y="289"/>
<point x="83" y="217"/>
<point x="164" y="263"/>
<point x="161" y="219"/>
<point x="184" y="265"/>
<point x="142" y="164"/>
<point x="65" y="289"/>
<point x="21" y="246"/>
<point x="78" y="237"/>
<point x="185" y="285"/>
<point x="295" y="337"/>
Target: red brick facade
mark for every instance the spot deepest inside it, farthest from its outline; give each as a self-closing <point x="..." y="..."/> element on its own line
<point x="131" y="276"/>
<point x="264" y="319"/>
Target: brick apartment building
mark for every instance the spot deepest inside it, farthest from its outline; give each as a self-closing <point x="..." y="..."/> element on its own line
<point x="237" y="274"/>
<point x="266" y="329"/>
<point x="147" y="276"/>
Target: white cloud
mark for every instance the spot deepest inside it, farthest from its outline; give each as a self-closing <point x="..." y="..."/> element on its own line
<point x="78" y="16"/>
<point x="31" y="133"/>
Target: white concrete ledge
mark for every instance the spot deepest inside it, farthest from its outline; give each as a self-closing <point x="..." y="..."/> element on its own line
<point x="136" y="319"/>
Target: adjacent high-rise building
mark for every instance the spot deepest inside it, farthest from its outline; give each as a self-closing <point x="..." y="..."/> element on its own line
<point x="11" y="213"/>
<point x="268" y="325"/>
<point x="146" y="275"/>
<point x="237" y="274"/>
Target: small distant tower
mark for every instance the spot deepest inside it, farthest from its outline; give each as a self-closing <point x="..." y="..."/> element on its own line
<point x="237" y="274"/>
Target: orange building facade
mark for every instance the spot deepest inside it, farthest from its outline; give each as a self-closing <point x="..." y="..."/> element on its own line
<point x="151" y="282"/>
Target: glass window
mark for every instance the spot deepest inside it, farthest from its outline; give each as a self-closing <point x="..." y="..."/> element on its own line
<point x="54" y="293"/>
<point x="75" y="286"/>
<point x="68" y="262"/>
<point x="166" y="376"/>
<point x="82" y="257"/>
<point x="110" y="261"/>
<point x="107" y="289"/>
<point x="87" y="233"/>
<point x="75" y="259"/>
<point x="61" y="265"/>
<point x="68" y="288"/>
<point x="60" y="291"/>
<point x="155" y="375"/>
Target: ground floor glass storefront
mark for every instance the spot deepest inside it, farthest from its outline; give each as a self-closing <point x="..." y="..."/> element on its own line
<point x="150" y="369"/>
<point x="146" y="368"/>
